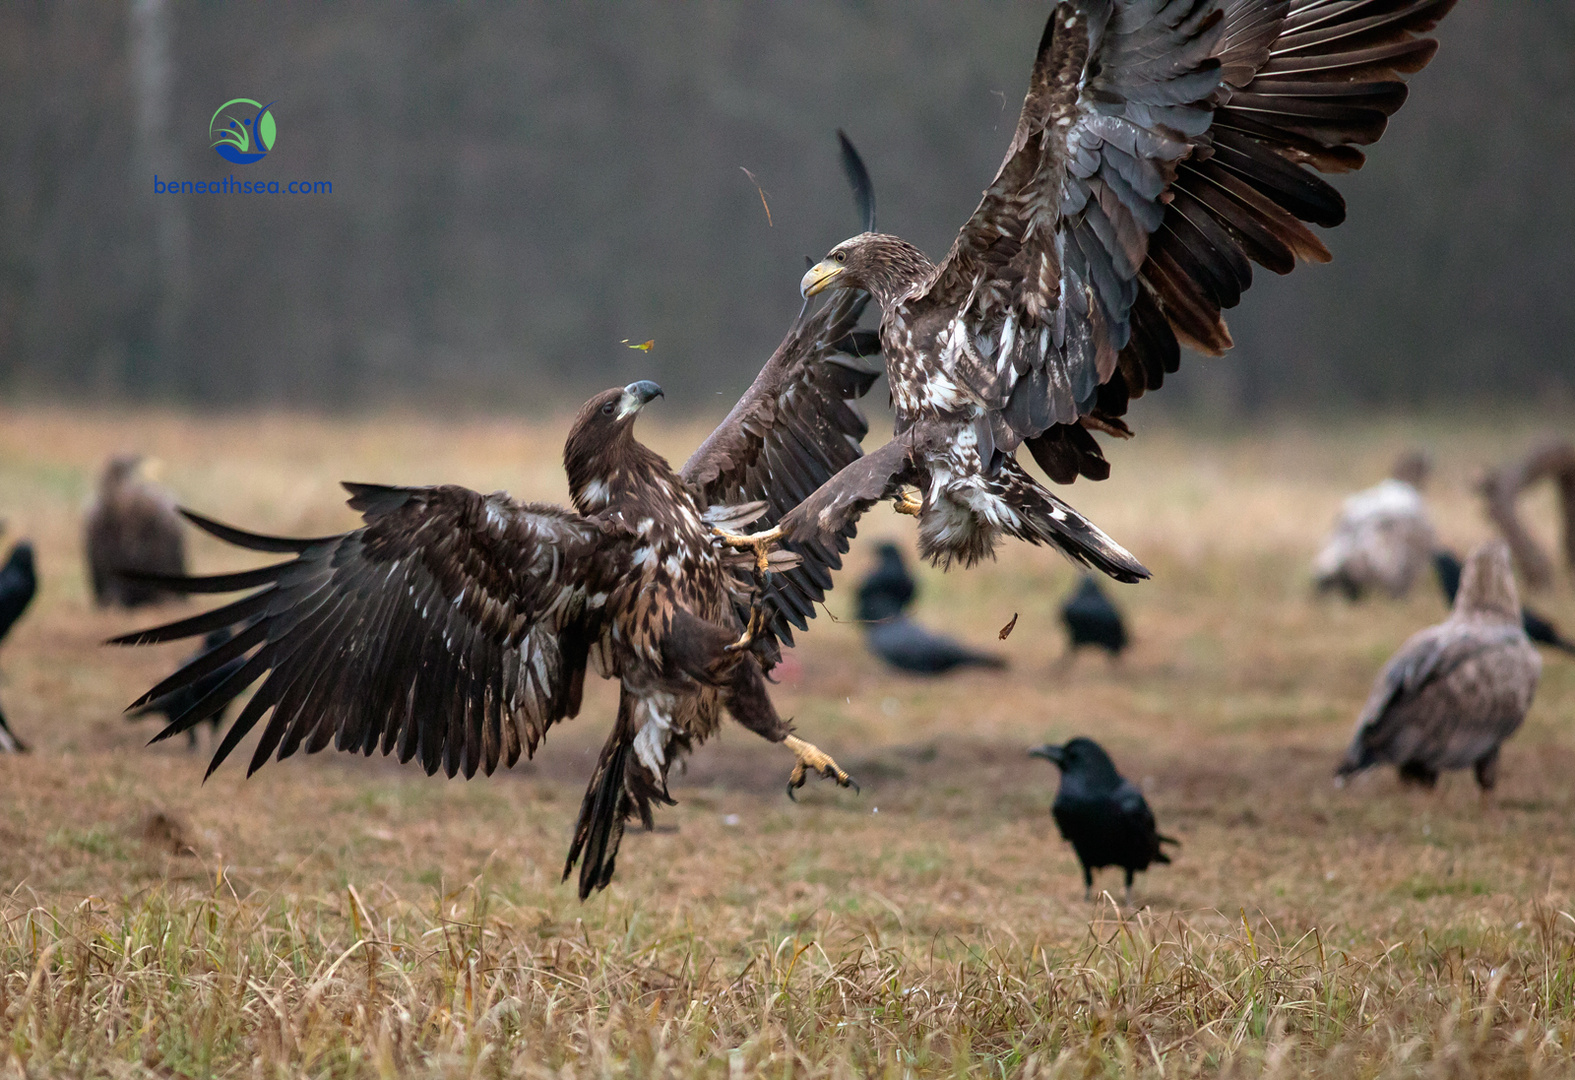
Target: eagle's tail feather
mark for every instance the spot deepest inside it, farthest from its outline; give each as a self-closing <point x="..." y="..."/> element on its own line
<point x="603" y="811"/>
<point x="1041" y="518"/>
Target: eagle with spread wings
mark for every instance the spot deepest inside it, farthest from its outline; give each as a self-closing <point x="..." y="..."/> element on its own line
<point x="1163" y="148"/>
<point x="455" y="628"/>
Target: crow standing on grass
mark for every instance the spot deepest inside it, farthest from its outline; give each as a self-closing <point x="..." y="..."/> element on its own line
<point x="1101" y="814"/>
<point x="1454" y="692"/>
<point x="1091" y="619"/>
<point x="897" y="639"/>
<point x="18" y="586"/>
<point x="1537" y="628"/>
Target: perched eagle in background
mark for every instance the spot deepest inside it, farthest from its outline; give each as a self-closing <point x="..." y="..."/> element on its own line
<point x="456" y="628"/>
<point x="1383" y="537"/>
<point x="1454" y="692"/>
<point x="1164" y="146"/>
<point x="132" y="527"/>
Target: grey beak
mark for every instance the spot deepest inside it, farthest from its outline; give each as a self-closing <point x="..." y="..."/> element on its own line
<point x="1050" y="752"/>
<point x="644" y="391"/>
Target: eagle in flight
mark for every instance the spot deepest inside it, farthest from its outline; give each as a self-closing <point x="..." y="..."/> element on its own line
<point x="455" y="628"/>
<point x="1164" y="146"/>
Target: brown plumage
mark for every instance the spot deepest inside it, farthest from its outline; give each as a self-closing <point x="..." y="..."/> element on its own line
<point x="131" y="526"/>
<point x="1163" y="147"/>
<point x="456" y="628"/>
<point x="1454" y="692"/>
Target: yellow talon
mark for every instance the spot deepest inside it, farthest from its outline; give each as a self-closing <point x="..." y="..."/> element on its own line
<point x="909" y="504"/>
<point x="761" y="542"/>
<point x="757" y="623"/>
<point x="812" y="758"/>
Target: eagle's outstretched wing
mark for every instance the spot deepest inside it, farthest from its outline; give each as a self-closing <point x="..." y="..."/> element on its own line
<point x="452" y="627"/>
<point x="1163" y="147"/>
<point x="795" y="427"/>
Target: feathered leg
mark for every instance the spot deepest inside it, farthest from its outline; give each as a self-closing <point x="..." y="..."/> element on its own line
<point x="967" y="512"/>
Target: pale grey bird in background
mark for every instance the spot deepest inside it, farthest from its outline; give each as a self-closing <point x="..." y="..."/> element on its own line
<point x="1383" y="537"/>
<point x="1454" y="692"/>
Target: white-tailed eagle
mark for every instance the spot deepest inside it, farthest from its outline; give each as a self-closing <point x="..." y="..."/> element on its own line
<point x="455" y="628"/>
<point x="1164" y="146"/>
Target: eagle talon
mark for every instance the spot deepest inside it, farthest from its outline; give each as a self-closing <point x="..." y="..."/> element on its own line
<point x="812" y="758"/>
<point x="761" y="542"/>
<point x="757" y="623"/>
<point x="910" y="503"/>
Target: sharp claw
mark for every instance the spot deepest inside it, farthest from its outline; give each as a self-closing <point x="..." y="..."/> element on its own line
<point x="909" y="503"/>
<point x="812" y="758"/>
<point x="760" y="542"/>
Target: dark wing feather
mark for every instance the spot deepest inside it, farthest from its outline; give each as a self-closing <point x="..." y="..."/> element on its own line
<point x="1305" y="83"/>
<point x="1044" y="275"/>
<point x="453" y="627"/>
<point x="836" y="506"/>
<point x="795" y="427"/>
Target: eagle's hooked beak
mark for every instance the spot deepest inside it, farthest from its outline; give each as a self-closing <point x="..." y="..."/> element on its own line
<point x="1050" y="752"/>
<point x="636" y="396"/>
<point x="819" y="277"/>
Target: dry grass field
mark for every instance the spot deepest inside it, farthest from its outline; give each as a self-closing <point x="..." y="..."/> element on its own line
<point x="336" y="916"/>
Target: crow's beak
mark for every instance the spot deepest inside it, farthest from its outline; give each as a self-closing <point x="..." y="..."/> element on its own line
<point x="636" y="396"/>
<point x="1050" y="752"/>
<point x="819" y="277"/>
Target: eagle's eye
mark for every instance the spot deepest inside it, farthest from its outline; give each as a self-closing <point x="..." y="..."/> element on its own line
<point x="841" y="256"/>
<point x="607" y="409"/>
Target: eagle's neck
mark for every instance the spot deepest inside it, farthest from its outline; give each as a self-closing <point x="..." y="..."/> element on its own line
<point x="893" y="267"/>
<point x="617" y="474"/>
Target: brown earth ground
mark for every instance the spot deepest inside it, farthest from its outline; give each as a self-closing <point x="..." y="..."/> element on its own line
<point x="349" y="917"/>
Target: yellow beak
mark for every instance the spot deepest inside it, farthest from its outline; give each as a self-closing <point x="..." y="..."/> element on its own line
<point x="819" y="276"/>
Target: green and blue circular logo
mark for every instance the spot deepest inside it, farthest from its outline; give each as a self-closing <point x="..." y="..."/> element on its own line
<point x="241" y="135"/>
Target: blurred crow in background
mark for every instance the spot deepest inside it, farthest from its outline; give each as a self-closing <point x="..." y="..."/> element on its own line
<point x="889" y="588"/>
<point x="180" y="700"/>
<point x="1383" y="537"/>
<point x="1103" y="816"/>
<point x="1091" y="619"/>
<point x="18" y="586"/>
<point x="1537" y="628"/>
<point x="132" y="525"/>
<point x="897" y="639"/>
<point x="1454" y="692"/>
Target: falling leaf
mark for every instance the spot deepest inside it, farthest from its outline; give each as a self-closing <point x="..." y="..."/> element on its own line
<point x="758" y="188"/>
<point x="643" y="346"/>
<point x="1006" y="631"/>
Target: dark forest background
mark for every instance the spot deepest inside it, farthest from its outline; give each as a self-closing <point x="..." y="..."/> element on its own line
<point x="516" y="189"/>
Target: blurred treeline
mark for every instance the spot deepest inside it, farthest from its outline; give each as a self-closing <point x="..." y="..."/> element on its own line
<point x="517" y="188"/>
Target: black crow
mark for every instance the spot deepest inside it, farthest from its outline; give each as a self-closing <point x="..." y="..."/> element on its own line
<point x="1537" y="628"/>
<point x="897" y="639"/>
<point x="18" y="586"/>
<point x="175" y="703"/>
<point x="1103" y="816"/>
<point x="889" y="588"/>
<point x="1091" y="619"/>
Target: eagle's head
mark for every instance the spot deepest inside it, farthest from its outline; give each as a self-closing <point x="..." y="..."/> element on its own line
<point x="1487" y="586"/>
<point x="601" y="449"/>
<point x="884" y="266"/>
